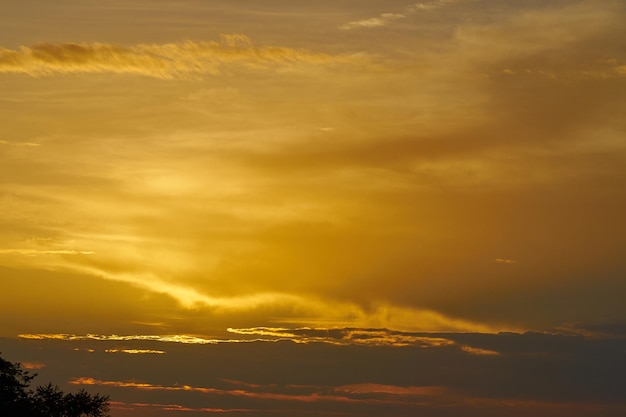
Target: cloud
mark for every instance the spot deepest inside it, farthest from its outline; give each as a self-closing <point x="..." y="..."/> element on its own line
<point x="117" y="405"/>
<point x="19" y="144"/>
<point x="430" y="5"/>
<point x="38" y="252"/>
<point x="479" y="351"/>
<point x="184" y="339"/>
<point x="356" y="393"/>
<point x="136" y="351"/>
<point x="237" y="204"/>
<point x="505" y="261"/>
<point x="296" y="307"/>
<point x="331" y="336"/>
<point x="532" y="371"/>
<point x="33" y="365"/>
<point x="347" y="336"/>
<point x="383" y="20"/>
<point x="615" y="330"/>
<point x="391" y="389"/>
<point x="164" y="61"/>
<point x="552" y="29"/>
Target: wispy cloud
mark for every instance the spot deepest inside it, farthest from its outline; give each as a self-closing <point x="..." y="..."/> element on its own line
<point x="505" y="261"/>
<point x="364" y="337"/>
<point x="184" y="339"/>
<point x="308" y="309"/>
<point x="176" y="407"/>
<point x="165" y="61"/>
<point x="136" y="351"/>
<point x="19" y="144"/>
<point x="350" y="393"/>
<point x="429" y="5"/>
<point x="347" y="336"/>
<point x="190" y="297"/>
<point x="479" y="351"/>
<point x="367" y="337"/>
<point x="33" y="365"/>
<point x="306" y="335"/>
<point x="383" y="20"/>
<point x="391" y="389"/>
<point x="38" y="252"/>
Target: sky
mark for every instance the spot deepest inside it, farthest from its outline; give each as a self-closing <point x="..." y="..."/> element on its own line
<point x="294" y="208"/>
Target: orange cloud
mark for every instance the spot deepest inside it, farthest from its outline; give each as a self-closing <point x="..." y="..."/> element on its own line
<point x="391" y="389"/>
<point x="505" y="261"/>
<point x="339" y="394"/>
<point x="33" y="365"/>
<point x="178" y="407"/>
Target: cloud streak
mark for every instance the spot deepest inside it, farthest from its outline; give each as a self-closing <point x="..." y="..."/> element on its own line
<point x="430" y="5"/>
<point x="349" y="394"/>
<point x="184" y="339"/>
<point x="164" y="61"/>
<point x="383" y="20"/>
<point x="19" y="144"/>
<point x="505" y="261"/>
<point x="38" y="252"/>
<point x="331" y="336"/>
<point x="136" y="351"/>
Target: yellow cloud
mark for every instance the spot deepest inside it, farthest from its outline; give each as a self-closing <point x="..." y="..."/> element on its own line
<point x="346" y="336"/>
<point x="304" y="335"/>
<point x="183" y="339"/>
<point x="135" y="351"/>
<point x="20" y="144"/>
<point x="387" y="18"/>
<point x="478" y="351"/>
<point x="164" y="61"/>
<point x="37" y="252"/>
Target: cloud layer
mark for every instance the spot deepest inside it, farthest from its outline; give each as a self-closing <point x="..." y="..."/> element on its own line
<point x="555" y="374"/>
<point x="442" y="176"/>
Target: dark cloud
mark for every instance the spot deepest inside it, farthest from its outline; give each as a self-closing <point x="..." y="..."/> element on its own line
<point x="532" y="370"/>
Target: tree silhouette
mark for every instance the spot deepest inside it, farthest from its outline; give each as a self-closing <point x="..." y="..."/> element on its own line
<point x="16" y="399"/>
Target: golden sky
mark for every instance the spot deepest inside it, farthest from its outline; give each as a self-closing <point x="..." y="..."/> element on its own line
<point x="184" y="167"/>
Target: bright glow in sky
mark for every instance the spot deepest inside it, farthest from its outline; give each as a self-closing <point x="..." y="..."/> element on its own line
<point x="174" y="169"/>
